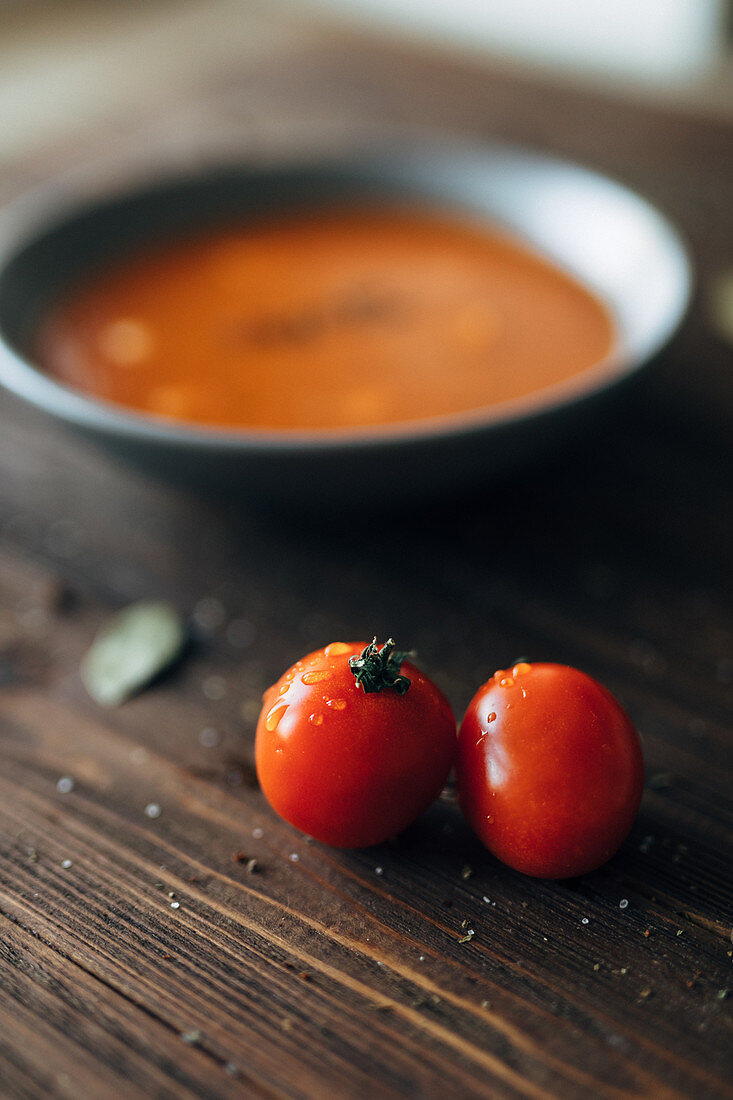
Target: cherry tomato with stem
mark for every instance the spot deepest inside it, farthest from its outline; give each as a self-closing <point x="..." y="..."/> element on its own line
<point x="549" y="770"/>
<point x="353" y="743"/>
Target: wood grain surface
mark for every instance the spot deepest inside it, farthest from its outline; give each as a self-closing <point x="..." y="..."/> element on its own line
<point x="139" y="955"/>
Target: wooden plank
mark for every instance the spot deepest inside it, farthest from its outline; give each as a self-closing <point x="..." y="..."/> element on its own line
<point x="103" y="830"/>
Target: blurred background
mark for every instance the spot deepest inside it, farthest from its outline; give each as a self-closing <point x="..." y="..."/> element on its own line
<point x="641" y="89"/>
<point x="67" y="66"/>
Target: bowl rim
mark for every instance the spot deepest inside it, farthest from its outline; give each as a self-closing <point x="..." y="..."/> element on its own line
<point x="26" y="219"/>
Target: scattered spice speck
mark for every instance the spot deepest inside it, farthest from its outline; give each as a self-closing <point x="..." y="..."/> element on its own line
<point x="379" y="870"/>
<point x="644" y="994"/>
<point x="32" y="855"/>
<point x="258" y="833"/>
<point x="722" y="995"/>
<point x="175" y="905"/>
<point x="466" y="872"/>
<point x="65" y="784"/>
<point x="191" y="1038"/>
<point x="153" y="810"/>
<point x="294" y="857"/>
<point x="468" y="936"/>
<point x="214" y="688"/>
<point x="209" y="614"/>
<point x="240" y="633"/>
<point x="209" y="737"/>
<point x="584" y="920"/>
<point x="66" y="863"/>
<point x="250" y="709"/>
<point x="647" y="932"/>
<point x="596" y="966"/>
<point x="624" y="903"/>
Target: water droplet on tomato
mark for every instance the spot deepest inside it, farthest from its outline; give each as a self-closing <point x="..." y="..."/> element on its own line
<point x="273" y="718"/>
<point x="506" y="682"/>
<point x="336" y="704"/>
<point x="489" y="819"/>
<point x="283" y="688"/>
<point x="336" y="649"/>
<point x="315" y="719"/>
<point x="315" y="677"/>
<point x="521" y="668"/>
<point x="491" y="717"/>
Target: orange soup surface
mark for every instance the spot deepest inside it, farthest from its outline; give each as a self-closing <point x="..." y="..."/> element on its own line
<point x="326" y="319"/>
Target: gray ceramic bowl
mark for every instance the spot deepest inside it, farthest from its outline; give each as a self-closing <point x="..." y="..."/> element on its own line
<point x="611" y="239"/>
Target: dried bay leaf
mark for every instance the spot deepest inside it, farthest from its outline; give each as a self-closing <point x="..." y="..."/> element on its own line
<point x="131" y="649"/>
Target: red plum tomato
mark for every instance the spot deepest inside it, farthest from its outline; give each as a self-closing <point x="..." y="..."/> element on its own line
<point x="353" y="755"/>
<point x="549" y="770"/>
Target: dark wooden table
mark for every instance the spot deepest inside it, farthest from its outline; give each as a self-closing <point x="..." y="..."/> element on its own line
<point x="138" y="956"/>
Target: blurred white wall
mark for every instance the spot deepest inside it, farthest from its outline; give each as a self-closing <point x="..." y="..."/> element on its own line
<point x="646" y="40"/>
<point x="76" y="68"/>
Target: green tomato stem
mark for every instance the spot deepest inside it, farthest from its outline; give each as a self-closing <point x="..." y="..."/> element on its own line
<point x="375" y="668"/>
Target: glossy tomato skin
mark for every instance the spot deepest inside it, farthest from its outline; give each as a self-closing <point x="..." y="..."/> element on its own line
<point x="549" y="770"/>
<point x="350" y="768"/>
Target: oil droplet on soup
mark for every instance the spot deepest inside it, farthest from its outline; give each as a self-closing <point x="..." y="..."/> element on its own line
<point x="329" y="319"/>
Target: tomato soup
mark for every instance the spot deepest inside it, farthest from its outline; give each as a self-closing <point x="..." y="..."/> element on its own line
<point x="325" y="319"/>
